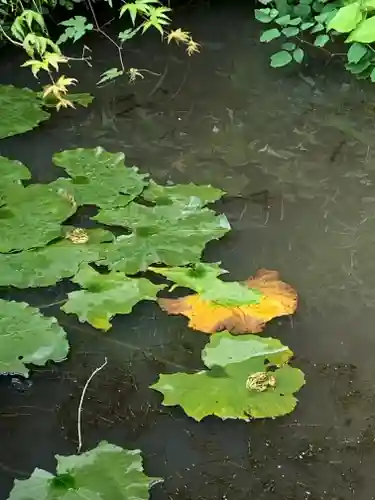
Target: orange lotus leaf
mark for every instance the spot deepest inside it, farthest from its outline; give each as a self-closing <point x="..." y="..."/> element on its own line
<point x="278" y="299"/>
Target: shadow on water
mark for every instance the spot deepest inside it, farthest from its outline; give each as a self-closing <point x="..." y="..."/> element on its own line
<point x="223" y="117"/>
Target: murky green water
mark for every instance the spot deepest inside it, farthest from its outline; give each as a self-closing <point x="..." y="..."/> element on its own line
<point x="307" y="140"/>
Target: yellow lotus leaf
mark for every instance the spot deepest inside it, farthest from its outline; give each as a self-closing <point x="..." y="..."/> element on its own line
<point x="278" y="299"/>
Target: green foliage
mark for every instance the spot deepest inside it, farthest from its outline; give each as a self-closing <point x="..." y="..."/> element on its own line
<point x="52" y="263"/>
<point x="20" y="110"/>
<point x="28" y="337"/>
<point x="203" y="279"/>
<point x="316" y="22"/>
<point x="224" y="390"/>
<point x="183" y="194"/>
<point x="105" y="295"/>
<point x="173" y="234"/>
<point x="106" y="472"/>
<point x="99" y="177"/>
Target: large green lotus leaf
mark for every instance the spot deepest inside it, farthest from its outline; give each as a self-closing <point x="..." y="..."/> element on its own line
<point x="106" y="472"/>
<point x="203" y="278"/>
<point x="99" y="177"/>
<point x="20" y="110"/>
<point x="184" y="194"/>
<point x="222" y="389"/>
<point x="32" y="216"/>
<point x="12" y="172"/>
<point x="106" y="295"/>
<point x="173" y="235"/>
<point x="48" y="265"/>
<point x="28" y="337"/>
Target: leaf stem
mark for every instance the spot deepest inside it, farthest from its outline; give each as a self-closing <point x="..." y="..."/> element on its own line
<point x="79" y="416"/>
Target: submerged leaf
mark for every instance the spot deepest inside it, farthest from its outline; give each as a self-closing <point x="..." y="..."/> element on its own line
<point x="99" y="177"/>
<point x="173" y="235"/>
<point x="248" y="377"/>
<point x="277" y="299"/>
<point x="20" y="110"/>
<point x="203" y="279"/>
<point x="106" y="295"/>
<point x="48" y="265"/>
<point x="189" y="195"/>
<point x="28" y="337"/>
<point x="32" y="216"/>
<point x="106" y="472"/>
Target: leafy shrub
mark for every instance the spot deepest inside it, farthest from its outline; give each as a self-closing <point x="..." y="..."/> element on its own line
<point x="317" y="22"/>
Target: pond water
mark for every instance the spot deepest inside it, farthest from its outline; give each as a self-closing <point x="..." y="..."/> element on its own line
<point x="303" y="138"/>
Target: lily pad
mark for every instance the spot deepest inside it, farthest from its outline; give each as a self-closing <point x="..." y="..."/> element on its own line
<point x="106" y="295"/>
<point x="185" y="194"/>
<point x="20" y="110"/>
<point x="48" y="265"/>
<point x="106" y="472"/>
<point x="12" y="172"/>
<point x="223" y="389"/>
<point x="161" y="234"/>
<point x="203" y="278"/>
<point x="27" y="337"/>
<point x="99" y="177"/>
<point x="32" y="216"/>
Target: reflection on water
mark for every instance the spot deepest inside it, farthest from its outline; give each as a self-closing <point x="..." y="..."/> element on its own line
<point x="224" y="117"/>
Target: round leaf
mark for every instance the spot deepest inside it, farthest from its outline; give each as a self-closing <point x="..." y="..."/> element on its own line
<point x="222" y="390"/>
<point x="298" y="55"/>
<point x="321" y="40"/>
<point x="269" y="35"/>
<point x="280" y="59"/>
<point x="290" y="31"/>
<point x="28" y="337"/>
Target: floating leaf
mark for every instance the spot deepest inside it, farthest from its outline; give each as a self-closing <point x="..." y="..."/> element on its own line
<point x="347" y="18"/>
<point x="106" y="472"/>
<point x="28" y="337"/>
<point x="280" y="59"/>
<point x="161" y="234"/>
<point x="32" y="216"/>
<point x="106" y="295"/>
<point x="20" y="110"/>
<point x="277" y="299"/>
<point x="99" y="177"/>
<point x="247" y="378"/>
<point x="203" y="279"/>
<point x="46" y="266"/>
<point x="12" y="172"/>
<point x="182" y="194"/>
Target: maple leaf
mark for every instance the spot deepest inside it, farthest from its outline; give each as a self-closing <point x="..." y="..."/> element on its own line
<point x="277" y="299"/>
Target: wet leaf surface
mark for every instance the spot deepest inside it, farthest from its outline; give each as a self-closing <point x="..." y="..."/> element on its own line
<point x="277" y="299"/>
<point x="99" y="177"/>
<point x="223" y="390"/>
<point x="183" y="194"/>
<point x="52" y="263"/>
<point x="173" y="235"/>
<point x="106" y="472"/>
<point x="20" y="110"/>
<point x="105" y="295"/>
<point x="27" y="337"/>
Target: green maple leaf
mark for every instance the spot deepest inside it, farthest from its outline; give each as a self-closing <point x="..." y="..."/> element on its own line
<point x="99" y="177"/>
<point x="106" y="472"/>
<point x="106" y="295"/>
<point x="28" y="337"/>
<point x="20" y="110"/>
<point x="184" y="194"/>
<point x="221" y="390"/>
<point x="203" y="279"/>
<point x="32" y="216"/>
<point x="48" y="265"/>
<point x="173" y="235"/>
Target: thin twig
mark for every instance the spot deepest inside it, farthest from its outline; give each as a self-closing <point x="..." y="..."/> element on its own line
<point x="79" y="419"/>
